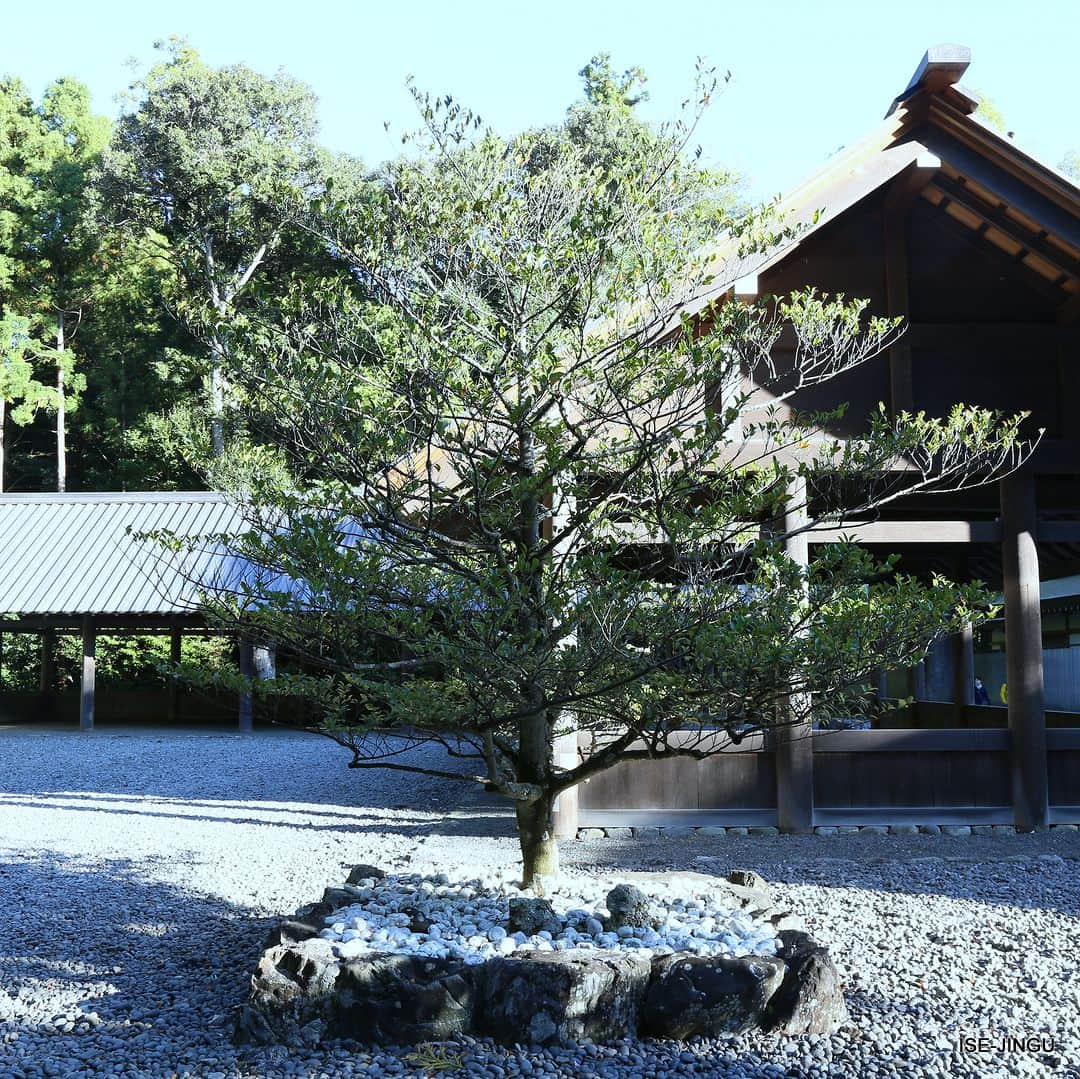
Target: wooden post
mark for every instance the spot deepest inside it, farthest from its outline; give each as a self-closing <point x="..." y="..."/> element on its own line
<point x="176" y="651"/>
<point x="264" y="661"/>
<point x="247" y="671"/>
<point x="964" y="667"/>
<point x="89" y="674"/>
<point x="48" y="660"/>
<point x="794" y="736"/>
<point x="566" y="805"/>
<point x="882" y="684"/>
<point x="1023" y="651"/>
<point x="901" y="393"/>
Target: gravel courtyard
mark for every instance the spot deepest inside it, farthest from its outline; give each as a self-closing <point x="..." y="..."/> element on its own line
<point x="140" y="872"/>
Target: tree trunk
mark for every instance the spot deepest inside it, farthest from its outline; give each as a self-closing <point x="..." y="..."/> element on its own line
<point x="61" y="417"/>
<point x="539" y="851"/>
<point x="217" y="400"/>
<point x="3" y="419"/>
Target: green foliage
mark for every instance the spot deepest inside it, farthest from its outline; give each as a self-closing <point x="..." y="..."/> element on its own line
<point x="213" y="166"/>
<point x="129" y="661"/>
<point x="535" y="498"/>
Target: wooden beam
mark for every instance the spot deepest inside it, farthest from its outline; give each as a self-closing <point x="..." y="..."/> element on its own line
<point x="892" y="532"/>
<point x="87" y="686"/>
<point x="1023" y="651"/>
<point x="913" y="740"/>
<point x="994" y="216"/>
<point x="794" y="738"/>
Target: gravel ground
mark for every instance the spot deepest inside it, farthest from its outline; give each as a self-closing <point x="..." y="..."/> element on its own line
<point x="141" y="873"/>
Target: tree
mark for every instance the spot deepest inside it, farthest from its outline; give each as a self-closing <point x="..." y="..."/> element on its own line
<point x="17" y="383"/>
<point x="528" y="496"/>
<point x="214" y="164"/>
<point x="48" y="251"/>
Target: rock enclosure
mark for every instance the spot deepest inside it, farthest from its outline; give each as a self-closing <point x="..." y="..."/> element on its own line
<point x="401" y="959"/>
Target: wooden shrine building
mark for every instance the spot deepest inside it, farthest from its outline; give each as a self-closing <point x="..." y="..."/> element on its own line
<point x="939" y="219"/>
<point x="78" y="564"/>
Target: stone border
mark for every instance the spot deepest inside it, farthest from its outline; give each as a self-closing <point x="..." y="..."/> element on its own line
<point x="684" y="830"/>
<point x="304" y="992"/>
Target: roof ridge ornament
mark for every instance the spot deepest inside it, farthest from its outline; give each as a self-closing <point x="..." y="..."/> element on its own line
<point x="941" y="66"/>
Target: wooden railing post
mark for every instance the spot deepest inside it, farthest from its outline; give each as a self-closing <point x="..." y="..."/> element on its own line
<point x="1023" y="651"/>
<point x="794" y="740"/>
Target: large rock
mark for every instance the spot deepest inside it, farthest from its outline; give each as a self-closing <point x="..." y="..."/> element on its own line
<point x="363" y="871"/>
<point x="709" y="995"/>
<point x="303" y="991"/>
<point x="545" y="997"/>
<point x="529" y="916"/>
<point x="810" y="1000"/>
<point x="388" y="998"/>
<point x="629" y="905"/>
<point x="292" y="987"/>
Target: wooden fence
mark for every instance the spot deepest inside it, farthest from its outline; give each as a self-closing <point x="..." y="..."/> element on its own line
<point x="929" y="774"/>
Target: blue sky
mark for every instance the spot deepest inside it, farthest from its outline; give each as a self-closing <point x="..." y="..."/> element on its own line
<point x="807" y="77"/>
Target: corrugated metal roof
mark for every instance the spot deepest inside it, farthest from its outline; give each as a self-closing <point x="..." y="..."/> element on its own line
<point x="80" y="553"/>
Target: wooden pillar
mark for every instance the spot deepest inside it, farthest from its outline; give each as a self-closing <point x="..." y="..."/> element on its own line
<point x="48" y="660"/>
<point x="566" y="805"/>
<point x="175" y="655"/>
<point x="264" y="661"/>
<point x="794" y="736"/>
<point x="964" y="667"/>
<point x="901" y="391"/>
<point x="89" y="674"/>
<point x="1023" y="651"/>
<point x="917" y="680"/>
<point x="247" y="672"/>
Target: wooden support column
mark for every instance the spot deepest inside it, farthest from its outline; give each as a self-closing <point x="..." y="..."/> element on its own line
<point x="176" y="651"/>
<point x="247" y="672"/>
<point x="794" y="740"/>
<point x="917" y="680"/>
<point x="964" y="667"/>
<point x="87" y="686"/>
<point x="901" y="391"/>
<point x="48" y="661"/>
<point x="1023" y="651"/>
<point x="882" y="690"/>
<point x="264" y="661"/>
<point x="566" y="805"/>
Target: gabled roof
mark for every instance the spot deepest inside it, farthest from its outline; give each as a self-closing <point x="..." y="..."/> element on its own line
<point x="931" y="145"/>
<point x="79" y="553"/>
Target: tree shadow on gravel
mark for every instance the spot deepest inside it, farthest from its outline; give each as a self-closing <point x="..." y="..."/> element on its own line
<point x="101" y="965"/>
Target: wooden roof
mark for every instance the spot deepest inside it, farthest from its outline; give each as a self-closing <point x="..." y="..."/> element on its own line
<point x="931" y="145"/>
